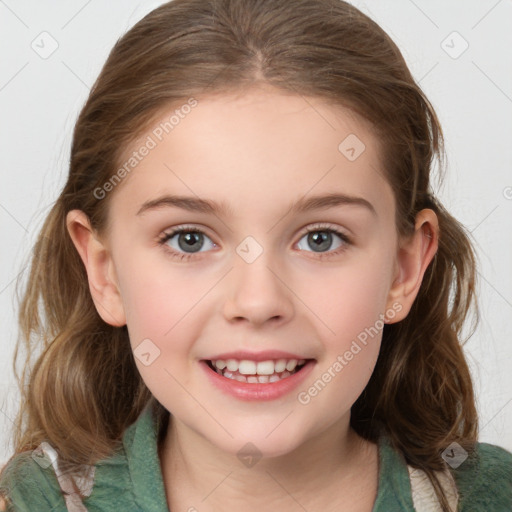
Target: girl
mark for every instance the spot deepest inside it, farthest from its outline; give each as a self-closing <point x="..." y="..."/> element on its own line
<point x="306" y="354"/>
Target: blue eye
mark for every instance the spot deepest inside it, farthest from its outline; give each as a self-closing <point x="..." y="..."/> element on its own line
<point x="190" y="240"/>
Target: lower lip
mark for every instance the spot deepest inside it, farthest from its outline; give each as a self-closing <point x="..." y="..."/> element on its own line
<point x="258" y="391"/>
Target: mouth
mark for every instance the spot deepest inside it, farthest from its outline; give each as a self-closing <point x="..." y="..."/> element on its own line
<point x="251" y="372"/>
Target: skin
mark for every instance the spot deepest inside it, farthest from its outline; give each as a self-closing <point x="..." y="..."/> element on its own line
<point x="258" y="152"/>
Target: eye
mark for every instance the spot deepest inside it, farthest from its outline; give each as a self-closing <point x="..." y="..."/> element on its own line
<point x="185" y="241"/>
<point x="188" y="239"/>
<point x="320" y="237"/>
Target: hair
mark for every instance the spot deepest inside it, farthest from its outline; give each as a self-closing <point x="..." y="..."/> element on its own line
<point x="84" y="388"/>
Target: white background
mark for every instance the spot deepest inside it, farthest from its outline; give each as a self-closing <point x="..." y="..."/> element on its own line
<point x="472" y="94"/>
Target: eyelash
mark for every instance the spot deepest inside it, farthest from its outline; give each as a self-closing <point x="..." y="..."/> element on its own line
<point x="313" y="229"/>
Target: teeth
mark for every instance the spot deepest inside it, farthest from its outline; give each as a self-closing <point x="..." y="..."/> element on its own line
<point x="254" y="372"/>
<point x="290" y="365"/>
<point x="280" y="366"/>
<point x="232" y="365"/>
<point x="247" y="367"/>
<point x="264" y="368"/>
<point x="253" y="379"/>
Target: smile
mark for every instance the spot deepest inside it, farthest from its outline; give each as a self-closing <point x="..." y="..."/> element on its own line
<point x="250" y="381"/>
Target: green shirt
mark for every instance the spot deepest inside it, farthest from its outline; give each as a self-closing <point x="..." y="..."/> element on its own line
<point x="131" y="480"/>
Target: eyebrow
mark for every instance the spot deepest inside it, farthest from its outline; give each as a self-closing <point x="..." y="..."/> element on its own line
<point x="196" y="204"/>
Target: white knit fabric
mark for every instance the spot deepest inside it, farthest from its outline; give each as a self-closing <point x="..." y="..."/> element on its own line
<point x="423" y="494"/>
<point x="83" y="480"/>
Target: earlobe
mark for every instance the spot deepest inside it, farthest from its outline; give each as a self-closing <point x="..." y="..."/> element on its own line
<point x="413" y="258"/>
<point x="99" y="267"/>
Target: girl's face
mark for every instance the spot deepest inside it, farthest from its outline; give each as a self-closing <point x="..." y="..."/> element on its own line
<point x="244" y="275"/>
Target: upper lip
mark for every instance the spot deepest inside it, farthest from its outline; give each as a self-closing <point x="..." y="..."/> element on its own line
<point x="266" y="355"/>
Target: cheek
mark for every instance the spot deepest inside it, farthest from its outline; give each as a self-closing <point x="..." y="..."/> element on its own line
<point x="349" y="303"/>
<point x="162" y="312"/>
<point x="349" y="299"/>
<point x="165" y="313"/>
<point x="350" y="311"/>
<point x="157" y="294"/>
<point x="353" y="313"/>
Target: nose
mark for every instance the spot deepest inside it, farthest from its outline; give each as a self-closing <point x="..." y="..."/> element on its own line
<point x="258" y="293"/>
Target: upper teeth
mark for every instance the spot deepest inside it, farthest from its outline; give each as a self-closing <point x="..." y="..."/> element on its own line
<point x="247" y="367"/>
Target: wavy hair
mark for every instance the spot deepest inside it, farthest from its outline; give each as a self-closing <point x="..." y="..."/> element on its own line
<point x="84" y="389"/>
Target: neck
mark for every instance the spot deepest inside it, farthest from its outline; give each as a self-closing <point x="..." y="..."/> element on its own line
<point x="198" y="473"/>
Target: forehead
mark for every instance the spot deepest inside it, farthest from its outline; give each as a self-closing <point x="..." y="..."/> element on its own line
<point x="260" y="148"/>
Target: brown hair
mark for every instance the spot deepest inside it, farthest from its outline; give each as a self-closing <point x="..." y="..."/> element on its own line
<point x="84" y="389"/>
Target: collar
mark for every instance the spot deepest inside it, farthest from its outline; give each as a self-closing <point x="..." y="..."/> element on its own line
<point x="141" y="448"/>
<point x="394" y="492"/>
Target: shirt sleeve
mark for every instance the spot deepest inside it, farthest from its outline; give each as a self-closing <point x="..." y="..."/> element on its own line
<point x="485" y="480"/>
<point x="28" y="485"/>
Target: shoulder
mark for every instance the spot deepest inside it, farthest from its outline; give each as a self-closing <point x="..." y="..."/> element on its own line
<point x="29" y="483"/>
<point x="37" y="481"/>
<point x="127" y="480"/>
<point x="484" y="479"/>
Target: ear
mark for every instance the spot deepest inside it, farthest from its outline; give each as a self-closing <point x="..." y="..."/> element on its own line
<point x="100" y="268"/>
<point x="414" y="256"/>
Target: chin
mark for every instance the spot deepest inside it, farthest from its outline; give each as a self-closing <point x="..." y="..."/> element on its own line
<point x="259" y="444"/>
